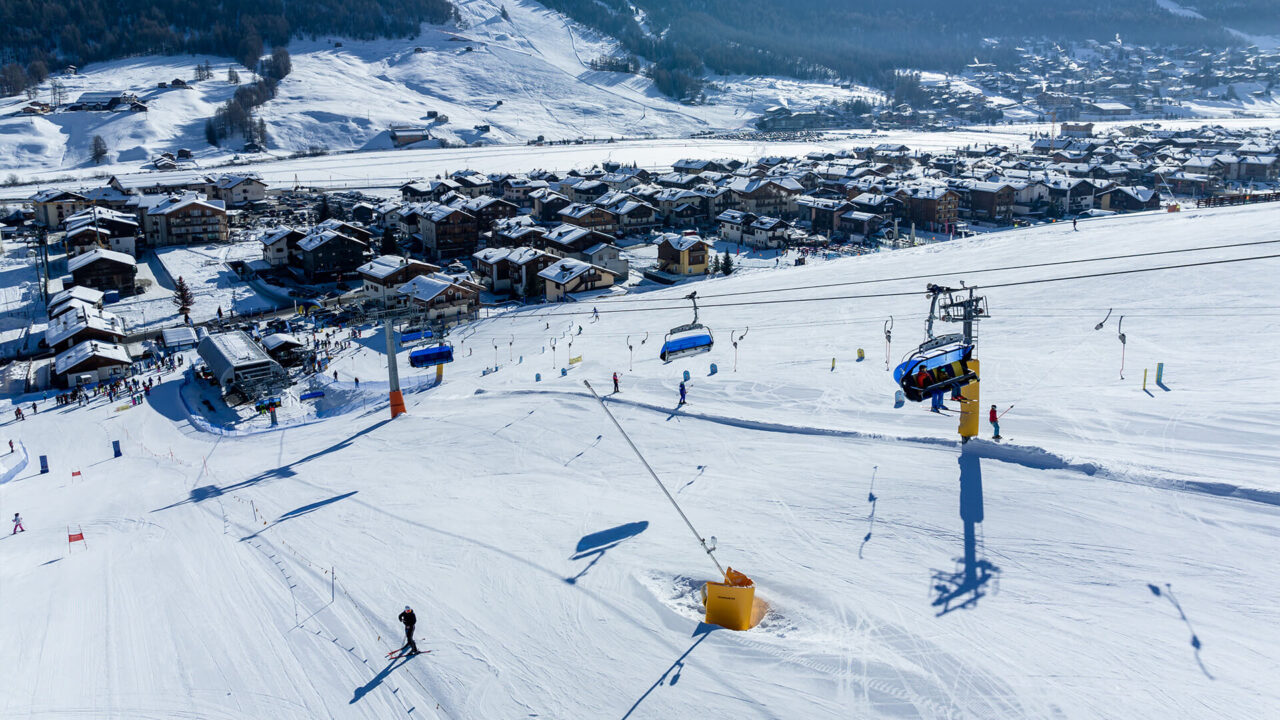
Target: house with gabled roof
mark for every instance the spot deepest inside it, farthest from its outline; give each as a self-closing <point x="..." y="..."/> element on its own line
<point x="570" y="275"/>
<point x="383" y="276"/>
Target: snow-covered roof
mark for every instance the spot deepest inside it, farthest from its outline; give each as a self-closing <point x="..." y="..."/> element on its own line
<point x="97" y="214"/>
<point x="681" y="242"/>
<point x="319" y="238"/>
<point x="97" y="254"/>
<point x="276" y="234"/>
<point x="564" y="270"/>
<point x="68" y="324"/>
<point x="184" y="201"/>
<point x="424" y="288"/>
<point x="93" y="296"/>
<point x="55" y="194"/>
<point x="381" y="267"/>
<point x="277" y="340"/>
<point x="68" y="360"/>
<point x="517" y="255"/>
<point x="179" y="336"/>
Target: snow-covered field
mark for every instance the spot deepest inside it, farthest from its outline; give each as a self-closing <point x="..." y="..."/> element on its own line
<point x="552" y="579"/>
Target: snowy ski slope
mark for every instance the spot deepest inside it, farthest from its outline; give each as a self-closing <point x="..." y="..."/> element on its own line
<point x="551" y="579"/>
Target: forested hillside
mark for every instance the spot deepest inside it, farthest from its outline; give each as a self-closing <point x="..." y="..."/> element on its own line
<point x="866" y="41"/>
<point x="82" y="31"/>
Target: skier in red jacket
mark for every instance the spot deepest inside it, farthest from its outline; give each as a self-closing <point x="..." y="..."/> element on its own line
<point x="994" y="417"/>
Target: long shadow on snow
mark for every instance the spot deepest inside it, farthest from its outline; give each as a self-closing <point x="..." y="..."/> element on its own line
<point x="702" y="632"/>
<point x="205" y="492"/>
<point x="298" y="512"/>
<point x="596" y="544"/>
<point x="363" y="690"/>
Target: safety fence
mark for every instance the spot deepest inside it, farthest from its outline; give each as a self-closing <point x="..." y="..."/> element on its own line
<point x="1238" y="199"/>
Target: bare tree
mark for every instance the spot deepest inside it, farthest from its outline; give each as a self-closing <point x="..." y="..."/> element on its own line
<point x="99" y="149"/>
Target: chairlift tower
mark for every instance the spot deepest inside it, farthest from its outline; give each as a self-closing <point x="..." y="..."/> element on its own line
<point x="966" y="307"/>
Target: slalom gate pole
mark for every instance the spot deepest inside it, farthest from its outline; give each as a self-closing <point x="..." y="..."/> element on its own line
<point x="701" y="541"/>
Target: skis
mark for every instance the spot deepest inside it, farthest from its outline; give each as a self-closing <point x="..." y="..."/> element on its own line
<point x="397" y="654"/>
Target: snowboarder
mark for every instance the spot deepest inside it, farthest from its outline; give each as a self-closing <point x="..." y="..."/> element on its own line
<point x="683" y="393"/>
<point x="409" y="619"/>
<point x="17" y="524"/>
<point x="994" y="418"/>
<point x="615" y="389"/>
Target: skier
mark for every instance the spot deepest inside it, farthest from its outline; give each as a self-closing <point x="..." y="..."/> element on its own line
<point x="1073" y="224"/>
<point x="17" y="413"/>
<point x="936" y="398"/>
<point x="10" y="447"/>
<point x="994" y="417"/>
<point x="335" y="376"/>
<point x="409" y="619"/>
<point x="357" y="382"/>
<point x="595" y="314"/>
<point x="683" y="392"/>
<point x="615" y="389"/>
<point x="17" y="524"/>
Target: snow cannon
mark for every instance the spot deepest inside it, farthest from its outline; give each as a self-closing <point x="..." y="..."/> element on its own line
<point x="732" y="604"/>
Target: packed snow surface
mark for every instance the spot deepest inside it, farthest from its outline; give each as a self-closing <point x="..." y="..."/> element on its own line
<point x="1132" y="533"/>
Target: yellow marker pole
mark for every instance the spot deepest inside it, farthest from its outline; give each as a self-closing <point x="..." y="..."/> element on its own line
<point x="1144" y="378"/>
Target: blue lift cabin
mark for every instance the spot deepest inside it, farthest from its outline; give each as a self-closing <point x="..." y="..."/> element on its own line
<point x="431" y="356"/>
<point x="685" y="340"/>
<point x="935" y="370"/>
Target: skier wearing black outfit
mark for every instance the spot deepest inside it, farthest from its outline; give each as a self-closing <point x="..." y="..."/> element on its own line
<point x="409" y="619"/>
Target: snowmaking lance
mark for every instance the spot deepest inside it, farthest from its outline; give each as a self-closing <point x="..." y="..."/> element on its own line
<point x="731" y="601"/>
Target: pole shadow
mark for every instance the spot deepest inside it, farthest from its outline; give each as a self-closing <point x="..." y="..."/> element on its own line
<point x="701" y="632"/>
<point x="963" y="586"/>
<point x="300" y="511"/>
<point x="584" y="450"/>
<point x="596" y="544"/>
<point x="205" y="492"/>
<point x="871" y="518"/>
<point x="1195" y="639"/>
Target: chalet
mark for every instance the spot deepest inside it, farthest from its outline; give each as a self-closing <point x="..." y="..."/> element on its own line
<point x="1128" y="199"/>
<point x="75" y="297"/>
<point x="857" y="222"/>
<point x="589" y="246"/>
<point x="517" y="231"/>
<point x="239" y="190"/>
<point x="766" y="195"/>
<point x="183" y="337"/>
<point x="91" y="362"/>
<point x="589" y="216"/>
<point x="71" y="328"/>
<point x="547" y="205"/>
<point x="823" y="213"/>
<point x="101" y="227"/>
<point x="991" y="201"/>
<point x="734" y="223"/>
<point x="635" y="216"/>
<point x="401" y="136"/>
<point x="330" y="255"/>
<point x="104" y="270"/>
<point x="383" y="276"/>
<point x="568" y="275"/>
<point x="447" y="232"/>
<point x="584" y="192"/>
<point x="431" y="190"/>
<point x="487" y="210"/>
<point x="54" y="206"/>
<point x="471" y="183"/>
<point x="516" y="190"/>
<point x="690" y="205"/>
<point x="766" y="232"/>
<point x="185" y="219"/>
<point x="513" y="270"/>
<point x="441" y="297"/>
<point x="280" y="245"/>
<point x="931" y="207"/>
<point x="1108" y="109"/>
<point x="684" y="254"/>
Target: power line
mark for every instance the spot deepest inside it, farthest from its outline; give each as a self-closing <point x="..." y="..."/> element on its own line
<point x="912" y="293"/>
<point x="969" y="272"/>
